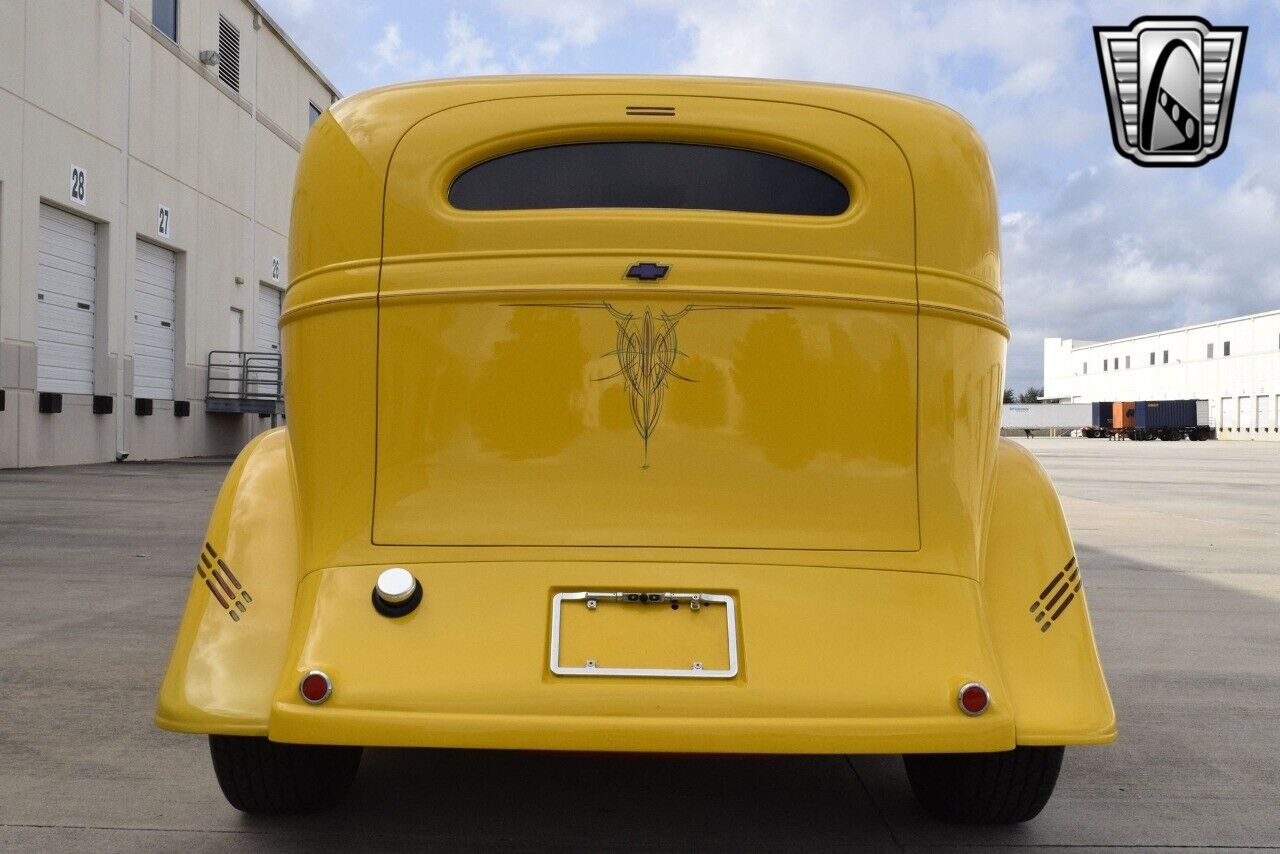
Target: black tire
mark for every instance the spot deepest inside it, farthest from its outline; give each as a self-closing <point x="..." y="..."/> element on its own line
<point x="269" y="778"/>
<point x="985" y="788"/>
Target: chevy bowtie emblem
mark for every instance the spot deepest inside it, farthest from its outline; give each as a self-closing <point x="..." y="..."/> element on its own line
<point x="648" y="271"/>
<point x="1170" y="86"/>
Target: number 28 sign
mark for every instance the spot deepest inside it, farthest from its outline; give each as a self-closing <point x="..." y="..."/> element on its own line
<point x="78" y="181"/>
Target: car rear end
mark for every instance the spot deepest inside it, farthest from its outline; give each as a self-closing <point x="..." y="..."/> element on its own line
<point x="677" y="403"/>
<point x="773" y="423"/>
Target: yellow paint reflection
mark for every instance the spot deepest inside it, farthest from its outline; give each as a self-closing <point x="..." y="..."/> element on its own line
<point x="706" y="403"/>
<point x="527" y="402"/>
<point x="820" y="388"/>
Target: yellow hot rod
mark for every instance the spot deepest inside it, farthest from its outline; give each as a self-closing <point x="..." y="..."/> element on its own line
<point x="640" y="414"/>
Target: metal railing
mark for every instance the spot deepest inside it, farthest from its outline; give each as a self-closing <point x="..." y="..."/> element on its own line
<point x="244" y="381"/>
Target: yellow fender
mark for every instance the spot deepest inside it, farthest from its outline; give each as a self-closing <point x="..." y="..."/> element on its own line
<point x="234" y="633"/>
<point x="1037" y="614"/>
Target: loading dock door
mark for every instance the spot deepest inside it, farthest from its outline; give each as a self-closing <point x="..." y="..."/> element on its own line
<point x="66" y="282"/>
<point x="154" y="298"/>
<point x="268" y="319"/>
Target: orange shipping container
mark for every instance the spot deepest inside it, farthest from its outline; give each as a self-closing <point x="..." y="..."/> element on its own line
<point x="1122" y="415"/>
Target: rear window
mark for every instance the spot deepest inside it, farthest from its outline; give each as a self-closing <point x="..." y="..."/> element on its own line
<point x="649" y="175"/>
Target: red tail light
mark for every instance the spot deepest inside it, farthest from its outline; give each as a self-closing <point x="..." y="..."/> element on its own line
<point x="315" y="687"/>
<point x="974" y="698"/>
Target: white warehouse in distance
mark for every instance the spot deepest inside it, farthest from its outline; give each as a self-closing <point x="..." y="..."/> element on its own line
<point x="147" y="159"/>
<point x="1234" y="364"/>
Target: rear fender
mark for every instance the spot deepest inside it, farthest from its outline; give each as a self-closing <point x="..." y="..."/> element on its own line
<point x="233" y="635"/>
<point x="1037" y="613"/>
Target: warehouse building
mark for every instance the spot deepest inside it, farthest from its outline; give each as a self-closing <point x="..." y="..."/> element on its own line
<point x="1233" y="364"/>
<point x="147" y="157"/>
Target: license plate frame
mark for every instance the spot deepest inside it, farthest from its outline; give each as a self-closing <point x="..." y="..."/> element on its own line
<point x="627" y="600"/>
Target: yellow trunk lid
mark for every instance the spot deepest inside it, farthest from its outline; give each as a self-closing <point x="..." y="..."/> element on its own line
<point x="762" y="395"/>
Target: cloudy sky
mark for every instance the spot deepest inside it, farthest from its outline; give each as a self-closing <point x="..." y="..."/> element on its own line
<point x="1095" y="247"/>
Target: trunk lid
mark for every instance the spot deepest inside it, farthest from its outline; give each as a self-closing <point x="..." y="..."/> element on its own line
<point x="760" y="396"/>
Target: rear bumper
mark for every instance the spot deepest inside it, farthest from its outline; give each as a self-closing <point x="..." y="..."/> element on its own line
<point x="832" y="661"/>
<point x="941" y="734"/>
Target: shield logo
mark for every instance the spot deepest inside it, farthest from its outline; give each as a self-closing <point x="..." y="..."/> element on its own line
<point x="1171" y="86"/>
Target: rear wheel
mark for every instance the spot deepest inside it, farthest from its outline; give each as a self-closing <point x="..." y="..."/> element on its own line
<point x="985" y="788"/>
<point x="266" y="777"/>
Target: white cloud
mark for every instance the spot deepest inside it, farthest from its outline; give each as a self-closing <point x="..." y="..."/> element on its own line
<point x="466" y="53"/>
<point x="567" y="24"/>
<point x="390" y="49"/>
<point x="390" y="56"/>
<point x="897" y="46"/>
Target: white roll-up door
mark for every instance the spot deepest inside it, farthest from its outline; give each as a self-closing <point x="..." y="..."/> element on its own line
<point x="66" y="282"/>
<point x="268" y="319"/>
<point x="154" y="300"/>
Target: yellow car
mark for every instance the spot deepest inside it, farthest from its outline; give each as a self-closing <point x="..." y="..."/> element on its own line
<point x="641" y="414"/>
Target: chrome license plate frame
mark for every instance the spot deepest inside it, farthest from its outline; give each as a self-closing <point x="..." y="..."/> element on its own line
<point x="627" y="599"/>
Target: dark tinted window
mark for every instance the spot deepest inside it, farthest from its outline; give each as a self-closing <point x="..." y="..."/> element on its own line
<point x="648" y="175"/>
<point x="313" y="113"/>
<point x="164" y="16"/>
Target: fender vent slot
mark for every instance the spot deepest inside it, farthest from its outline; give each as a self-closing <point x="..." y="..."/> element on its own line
<point x="1057" y="595"/>
<point x="641" y="110"/>
<point x="223" y="584"/>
